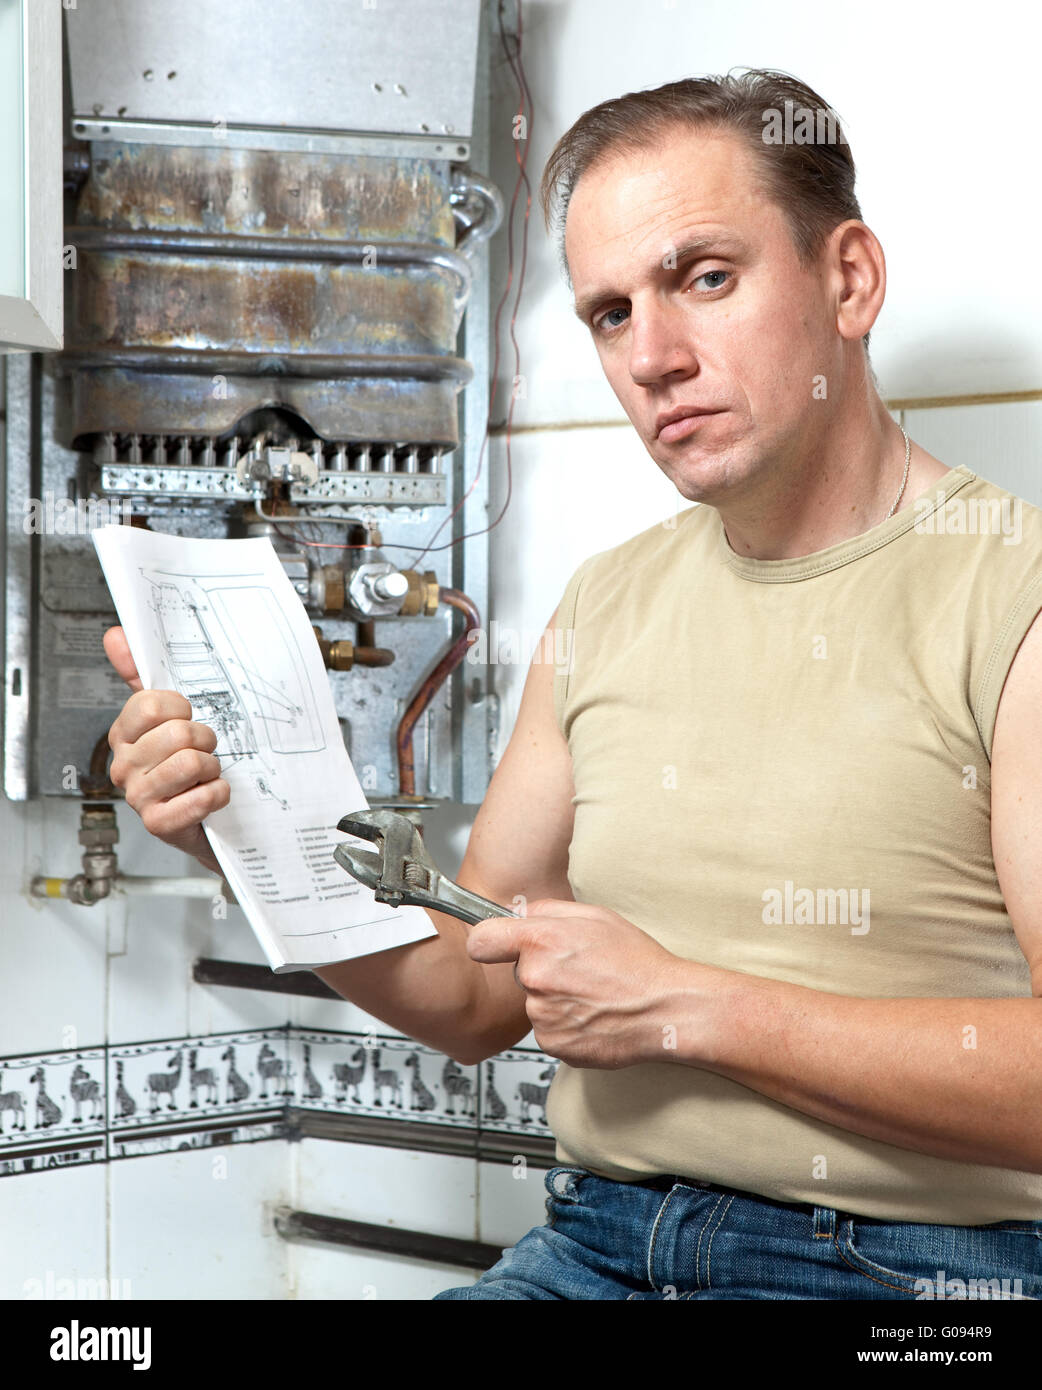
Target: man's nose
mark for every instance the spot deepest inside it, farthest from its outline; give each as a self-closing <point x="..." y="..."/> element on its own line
<point x="660" y="343"/>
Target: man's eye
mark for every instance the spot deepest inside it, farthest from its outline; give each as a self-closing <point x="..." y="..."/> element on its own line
<point x="605" y="324"/>
<point x="603" y="321"/>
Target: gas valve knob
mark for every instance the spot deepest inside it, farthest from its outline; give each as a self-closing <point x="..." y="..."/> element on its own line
<point x="377" y="590"/>
<point x="389" y="586"/>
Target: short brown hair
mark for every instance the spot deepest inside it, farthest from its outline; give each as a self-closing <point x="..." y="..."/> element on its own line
<point x="812" y="183"/>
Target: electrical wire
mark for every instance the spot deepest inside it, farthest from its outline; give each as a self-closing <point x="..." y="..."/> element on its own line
<point x="515" y="61"/>
<point x="524" y="98"/>
<point x="275" y="522"/>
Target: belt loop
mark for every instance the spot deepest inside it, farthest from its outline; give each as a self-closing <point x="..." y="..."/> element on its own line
<point x="824" y="1223"/>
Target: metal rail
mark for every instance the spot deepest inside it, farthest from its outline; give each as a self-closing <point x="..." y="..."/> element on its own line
<point x="239" y="975"/>
<point x="386" y="1240"/>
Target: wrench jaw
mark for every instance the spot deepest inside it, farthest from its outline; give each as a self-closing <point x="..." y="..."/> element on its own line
<point x="368" y="869"/>
<point x="402" y="872"/>
<point x="389" y="871"/>
<point x="363" y="824"/>
<point x="360" y="864"/>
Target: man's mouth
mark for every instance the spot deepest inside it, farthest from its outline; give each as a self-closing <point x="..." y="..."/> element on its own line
<point x="677" y="424"/>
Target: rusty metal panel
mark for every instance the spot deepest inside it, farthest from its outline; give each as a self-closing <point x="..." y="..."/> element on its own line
<point x="328" y="285"/>
<point x="364" y="407"/>
<point x="267" y="193"/>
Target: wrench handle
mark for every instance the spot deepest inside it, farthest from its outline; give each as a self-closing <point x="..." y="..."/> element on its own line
<point x="450" y="898"/>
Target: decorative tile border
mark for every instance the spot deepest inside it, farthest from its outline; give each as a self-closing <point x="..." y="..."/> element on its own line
<point x="114" y="1101"/>
<point x="225" y="1074"/>
<point x="51" y="1096"/>
<point x="514" y="1087"/>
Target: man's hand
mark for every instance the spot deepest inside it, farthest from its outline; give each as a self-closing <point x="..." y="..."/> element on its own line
<point x="600" y="992"/>
<point x="164" y="761"/>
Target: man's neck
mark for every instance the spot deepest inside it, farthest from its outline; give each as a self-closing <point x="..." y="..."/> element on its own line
<point x="845" y="489"/>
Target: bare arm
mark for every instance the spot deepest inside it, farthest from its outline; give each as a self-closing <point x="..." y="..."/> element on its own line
<point x="430" y="990"/>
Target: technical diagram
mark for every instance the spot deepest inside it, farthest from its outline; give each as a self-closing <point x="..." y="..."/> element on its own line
<point x="218" y="637"/>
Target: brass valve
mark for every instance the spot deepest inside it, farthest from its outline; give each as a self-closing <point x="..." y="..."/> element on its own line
<point x="422" y="597"/>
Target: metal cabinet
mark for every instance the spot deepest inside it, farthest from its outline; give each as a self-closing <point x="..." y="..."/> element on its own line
<point x="30" y="175"/>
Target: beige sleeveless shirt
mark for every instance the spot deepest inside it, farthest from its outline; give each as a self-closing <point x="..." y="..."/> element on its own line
<point x="743" y="731"/>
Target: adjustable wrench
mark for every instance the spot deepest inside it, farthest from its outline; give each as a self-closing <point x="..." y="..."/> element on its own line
<point x="403" y="871"/>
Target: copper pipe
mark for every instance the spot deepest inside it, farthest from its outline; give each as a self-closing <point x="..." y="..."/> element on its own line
<point x="374" y="656"/>
<point x="367" y="653"/>
<point x="96" y="783"/>
<point x="426" y="692"/>
<point x="342" y="655"/>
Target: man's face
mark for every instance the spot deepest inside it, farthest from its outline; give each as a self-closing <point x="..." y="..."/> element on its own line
<point x="732" y="325"/>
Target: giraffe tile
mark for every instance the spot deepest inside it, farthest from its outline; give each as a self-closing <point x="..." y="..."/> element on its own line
<point x="260" y="1069"/>
<point x="167" y="1094"/>
<point x="371" y="1075"/>
<point x="190" y="1078"/>
<point x="48" y="1097"/>
<point x="514" y="1088"/>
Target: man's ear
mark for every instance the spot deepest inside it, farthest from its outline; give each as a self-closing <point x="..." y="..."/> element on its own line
<point x="858" y="269"/>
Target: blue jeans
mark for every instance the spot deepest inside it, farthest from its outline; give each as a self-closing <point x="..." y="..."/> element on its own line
<point x="677" y="1238"/>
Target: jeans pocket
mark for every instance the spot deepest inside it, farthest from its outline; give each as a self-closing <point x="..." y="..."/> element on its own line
<point x="1000" y="1261"/>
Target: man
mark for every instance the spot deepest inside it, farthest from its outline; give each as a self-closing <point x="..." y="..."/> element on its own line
<point x="777" y="829"/>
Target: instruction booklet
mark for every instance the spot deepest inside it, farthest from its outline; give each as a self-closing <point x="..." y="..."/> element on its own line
<point x="220" y="622"/>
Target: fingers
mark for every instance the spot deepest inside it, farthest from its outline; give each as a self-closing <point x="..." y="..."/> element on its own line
<point x="185" y="811"/>
<point x="171" y="742"/>
<point x="118" y="652"/>
<point x="170" y="781"/>
<point x="144" y="711"/>
<point x="164" y="761"/>
<point x="186" y="768"/>
<point x="495" y="939"/>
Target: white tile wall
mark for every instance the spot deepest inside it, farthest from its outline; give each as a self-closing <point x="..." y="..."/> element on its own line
<point x="512" y="1200"/>
<point x="54" y="1229"/>
<point x="54" y="952"/>
<point x="575" y="492"/>
<point x="1002" y="443"/>
<point x="938" y="334"/>
<point x="334" y="1272"/>
<point x="195" y="1224"/>
<point x="434" y="1193"/>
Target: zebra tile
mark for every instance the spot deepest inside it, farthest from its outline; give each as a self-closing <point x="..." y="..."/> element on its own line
<point x="115" y="1097"/>
<point x="366" y="1074"/>
<point x="193" y="1078"/>
<point x="514" y="1088"/>
<point x="50" y="1096"/>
